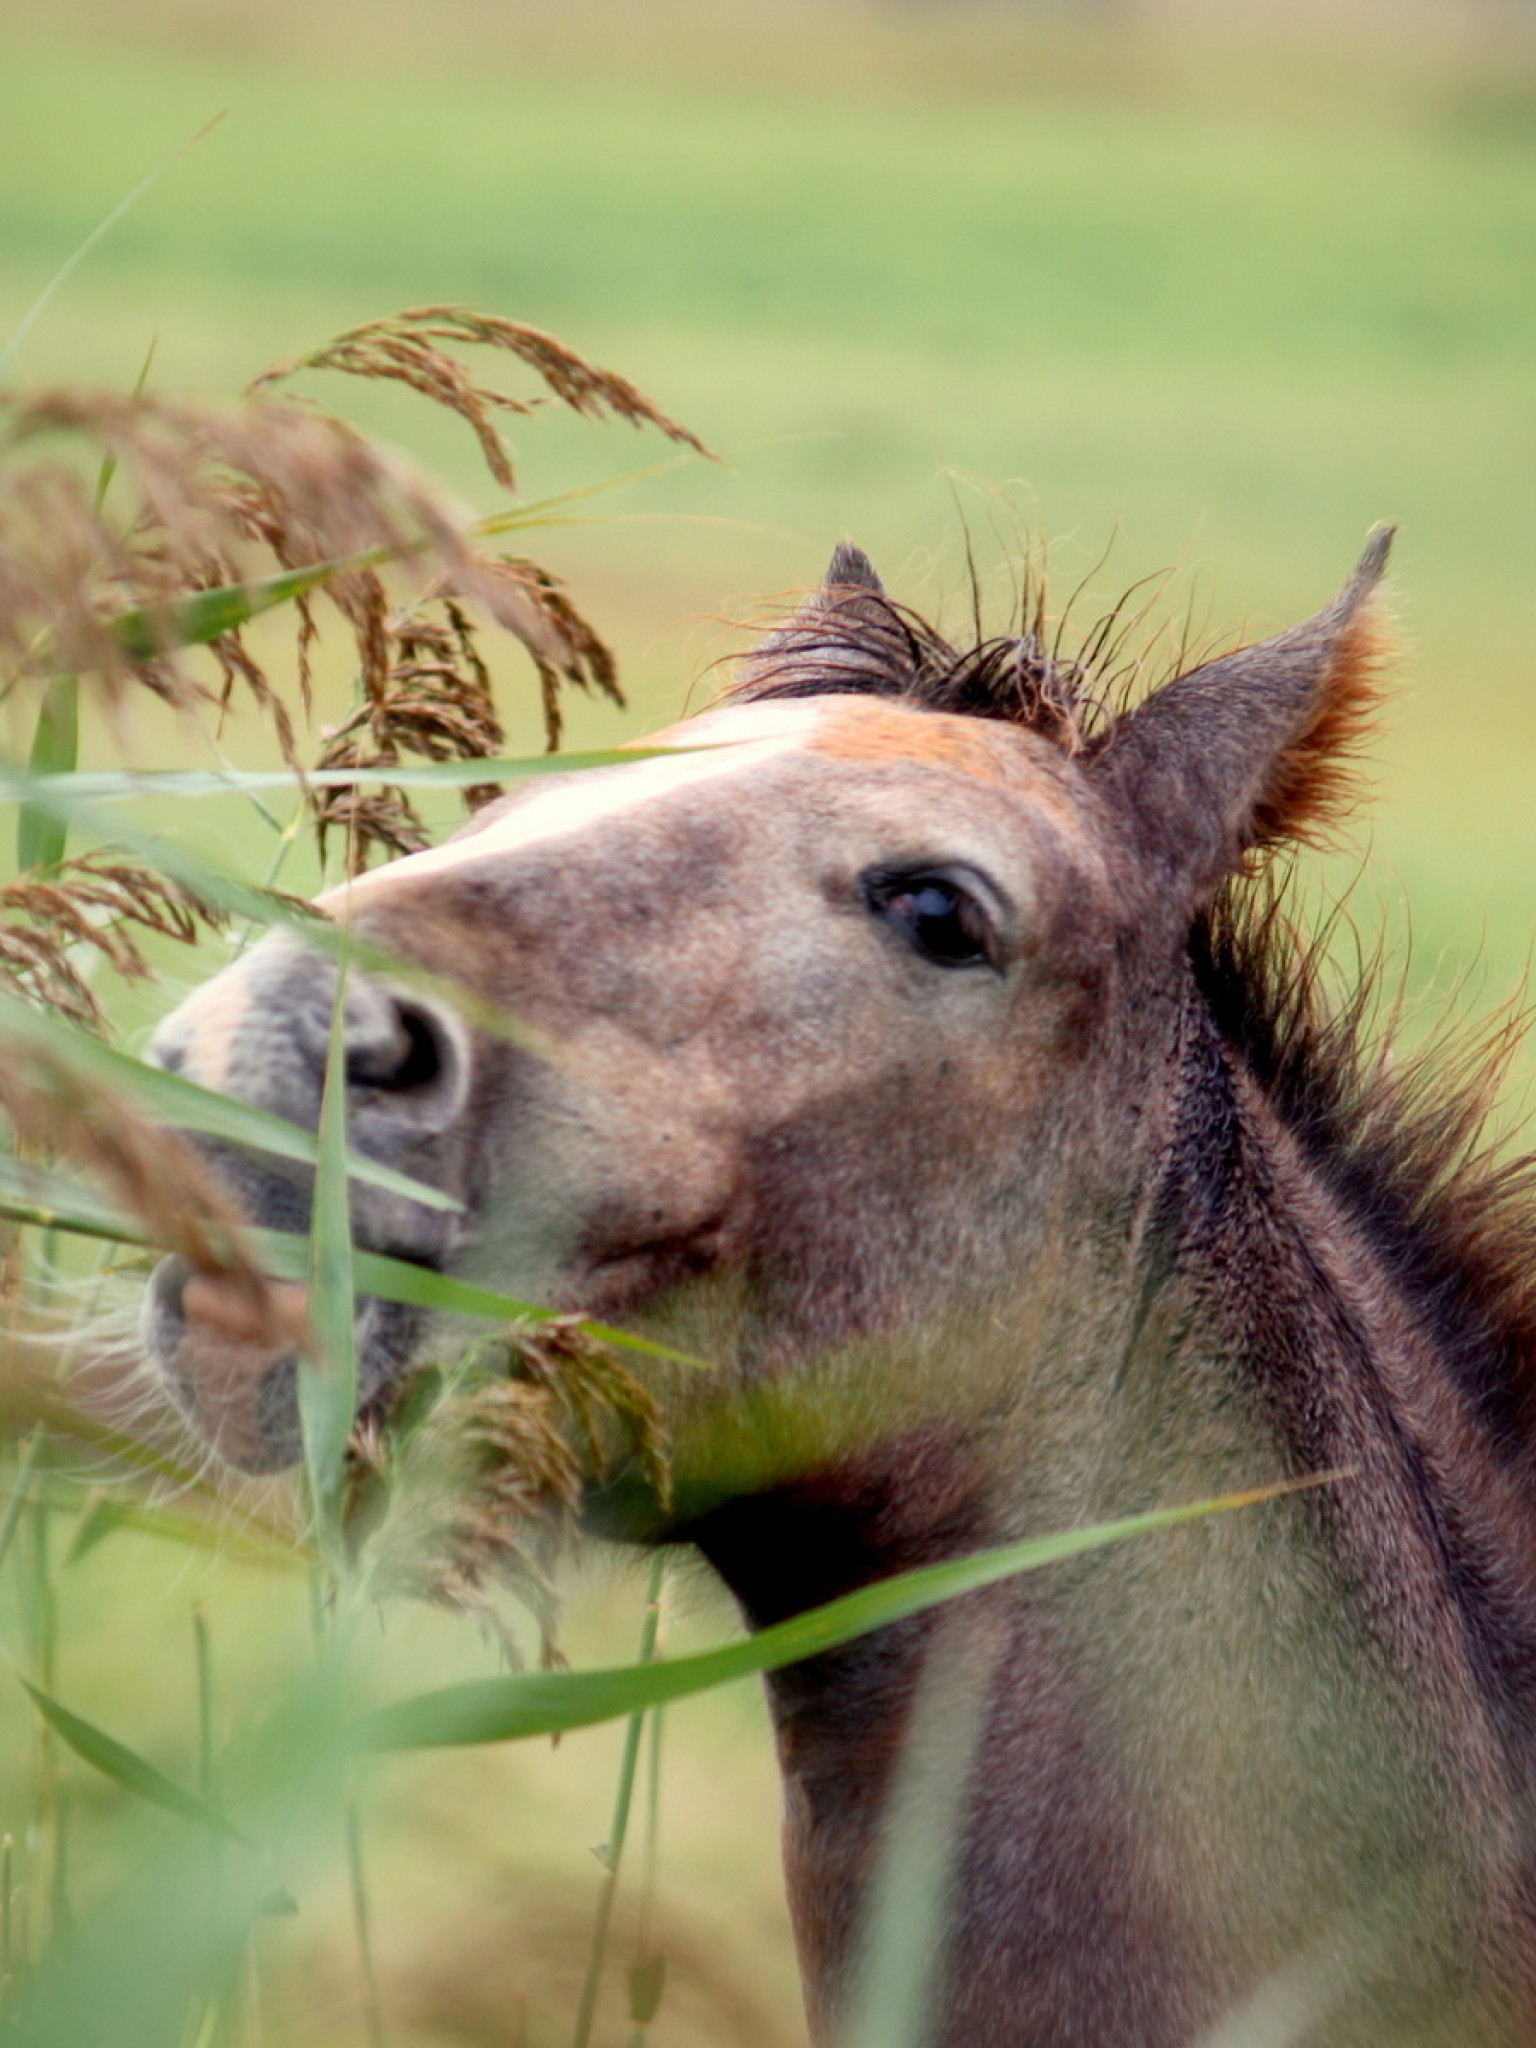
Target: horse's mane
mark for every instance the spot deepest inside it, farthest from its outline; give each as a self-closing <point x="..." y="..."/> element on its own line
<point x="1401" y="1139"/>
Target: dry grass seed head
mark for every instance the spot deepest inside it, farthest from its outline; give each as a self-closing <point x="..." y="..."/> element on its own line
<point x="403" y="348"/>
<point x="434" y="698"/>
<point x="219" y="494"/>
<point x="486" y="1487"/>
<point x="151" y="1173"/>
<point x="96" y="900"/>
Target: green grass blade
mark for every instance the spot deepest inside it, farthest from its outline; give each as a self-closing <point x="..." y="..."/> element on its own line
<point x="181" y="1103"/>
<point x="126" y="1767"/>
<point x="193" y="621"/>
<point x="399" y="1280"/>
<point x="618" y="1827"/>
<point x="40" y="304"/>
<point x="35" y="1194"/>
<point x="108" y="469"/>
<point x="127" y="786"/>
<point x="906" y="1906"/>
<point x="240" y="899"/>
<point x="328" y="1379"/>
<point x="26" y="1466"/>
<point x="549" y="1702"/>
<point x="41" y="835"/>
<point x="285" y="1256"/>
<point x="106" y="1516"/>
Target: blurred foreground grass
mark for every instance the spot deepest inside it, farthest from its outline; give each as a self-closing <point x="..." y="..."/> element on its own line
<point x="1220" y="304"/>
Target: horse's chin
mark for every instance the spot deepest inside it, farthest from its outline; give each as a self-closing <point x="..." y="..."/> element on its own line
<point x="229" y="1357"/>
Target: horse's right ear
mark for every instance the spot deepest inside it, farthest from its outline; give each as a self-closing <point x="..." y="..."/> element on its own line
<point x="1247" y="751"/>
<point x="850" y="569"/>
<point x="846" y="635"/>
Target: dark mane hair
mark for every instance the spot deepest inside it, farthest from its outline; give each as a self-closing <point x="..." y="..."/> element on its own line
<point x="1401" y="1140"/>
<point x="853" y="640"/>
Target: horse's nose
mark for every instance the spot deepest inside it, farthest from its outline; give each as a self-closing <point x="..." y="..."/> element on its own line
<point x="261" y="1031"/>
<point x="405" y="1056"/>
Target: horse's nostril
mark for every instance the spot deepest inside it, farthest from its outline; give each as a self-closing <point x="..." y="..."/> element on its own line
<point x="409" y="1055"/>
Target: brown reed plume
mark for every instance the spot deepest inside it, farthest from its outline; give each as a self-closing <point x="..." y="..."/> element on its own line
<point x="403" y="349"/>
<point x="207" y="499"/>
<point x="151" y="1173"/>
<point x="221" y="496"/>
<point x="433" y="698"/>
<point x="479" y="1482"/>
<point x="136" y="531"/>
<point x="95" y="902"/>
<point x="218" y="495"/>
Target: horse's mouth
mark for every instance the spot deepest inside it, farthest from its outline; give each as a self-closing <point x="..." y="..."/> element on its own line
<point x="626" y="1277"/>
<point x="228" y="1352"/>
<point x="229" y="1355"/>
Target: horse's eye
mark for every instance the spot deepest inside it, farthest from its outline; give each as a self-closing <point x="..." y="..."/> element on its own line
<point x="936" y="917"/>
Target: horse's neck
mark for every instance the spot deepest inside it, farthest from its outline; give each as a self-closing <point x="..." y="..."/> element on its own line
<point x="1315" y="1655"/>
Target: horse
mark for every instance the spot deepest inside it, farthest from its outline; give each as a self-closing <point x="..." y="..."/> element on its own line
<point x="919" y="1035"/>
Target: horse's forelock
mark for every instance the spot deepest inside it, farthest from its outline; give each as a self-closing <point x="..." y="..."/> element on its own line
<point x="852" y="640"/>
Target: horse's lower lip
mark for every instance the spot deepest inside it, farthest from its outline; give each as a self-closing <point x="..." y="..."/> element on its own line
<point x="276" y="1317"/>
<point x="229" y="1355"/>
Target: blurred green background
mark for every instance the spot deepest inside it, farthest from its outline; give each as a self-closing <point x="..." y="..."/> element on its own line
<point x="1200" y="289"/>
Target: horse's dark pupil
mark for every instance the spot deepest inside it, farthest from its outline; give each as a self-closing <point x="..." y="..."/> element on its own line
<point x="942" y="923"/>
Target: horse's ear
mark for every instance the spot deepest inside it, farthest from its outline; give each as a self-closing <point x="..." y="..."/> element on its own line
<point x="846" y="635"/>
<point x="1250" y="750"/>
<point x="851" y="569"/>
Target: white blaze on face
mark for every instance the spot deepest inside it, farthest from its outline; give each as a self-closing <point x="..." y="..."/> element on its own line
<point x="711" y="749"/>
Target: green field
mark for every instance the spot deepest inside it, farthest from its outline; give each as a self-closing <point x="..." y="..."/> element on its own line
<point x="1192" y="301"/>
<point x="1222" y="314"/>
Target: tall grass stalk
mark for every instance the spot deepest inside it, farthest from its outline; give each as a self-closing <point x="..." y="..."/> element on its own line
<point x="21" y="1489"/>
<point x="7" y="1929"/>
<point x="104" y="227"/>
<point x="41" y="835"/>
<point x="328" y="1378"/>
<point x="362" y="1920"/>
<point x="613" y="1849"/>
<point x="896" y="1985"/>
<point x="49" y="1820"/>
<point x="647" y="1973"/>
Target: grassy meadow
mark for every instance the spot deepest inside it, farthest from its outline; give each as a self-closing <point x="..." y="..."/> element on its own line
<point x="1149" y="296"/>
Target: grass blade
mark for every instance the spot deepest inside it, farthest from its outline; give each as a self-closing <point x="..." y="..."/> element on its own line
<point x="126" y="1767"/>
<point x="128" y="785"/>
<point x="18" y="1500"/>
<point x="195" y="620"/>
<point x="34" y="1194"/>
<point x="328" y="1378"/>
<point x="241" y="900"/>
<point x="618" y="1828"/>
<point x="218" y="1539"/>
<point x="40" y="304"/>
<point x="184" y="1105"/>
<point x="41" y="835"/>
<point x="549" y="1702"/>
<point x="906" y="1908"/>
